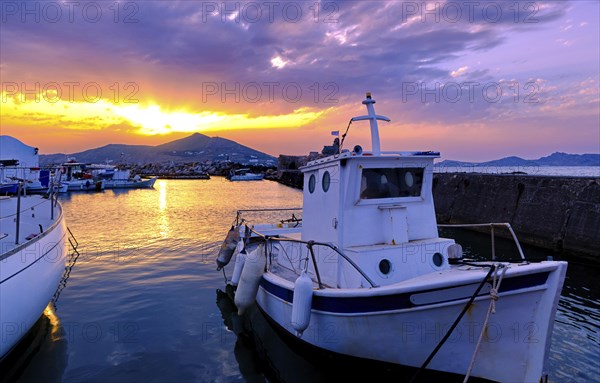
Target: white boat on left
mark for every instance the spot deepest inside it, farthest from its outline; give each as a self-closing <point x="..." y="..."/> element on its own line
<point x="20" y="162"/>
<point x="33" y="252"/>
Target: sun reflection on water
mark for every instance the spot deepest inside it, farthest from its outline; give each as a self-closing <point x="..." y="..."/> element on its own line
<point x="163" y="217"/>
<point x="55" y="334"/>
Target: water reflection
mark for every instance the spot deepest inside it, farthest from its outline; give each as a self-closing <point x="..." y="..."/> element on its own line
<point x="43" y="348"/>
<point x="163" y="222"/>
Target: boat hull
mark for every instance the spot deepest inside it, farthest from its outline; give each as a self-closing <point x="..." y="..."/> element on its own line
<point x="87" y="185"/>
<point x="29" y="276"/>
<point x="124" y="184"/>
<point x="247" y="177"/>
<point x="9" y="189"/>
<point x="514" y="347"/>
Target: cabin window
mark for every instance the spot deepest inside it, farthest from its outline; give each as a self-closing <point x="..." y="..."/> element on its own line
<point x="311" y="183"/>
<point x="391" y="183"/>
<point x="326" y="181"/>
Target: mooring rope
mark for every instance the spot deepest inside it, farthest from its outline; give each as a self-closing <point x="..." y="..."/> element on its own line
<point x="491" y="310"/>
<point x="456" y="321"/>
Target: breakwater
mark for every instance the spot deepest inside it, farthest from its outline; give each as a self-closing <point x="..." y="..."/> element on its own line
<point x="553" y="212"/>
<point x="558" y="213"/>
<point x="190" y="170"/>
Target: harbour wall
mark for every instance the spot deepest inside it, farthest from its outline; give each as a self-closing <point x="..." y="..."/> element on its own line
<point x="557" y="213"/>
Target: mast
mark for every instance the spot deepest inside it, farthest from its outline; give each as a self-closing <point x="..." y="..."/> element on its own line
<point x="372" y="117"/>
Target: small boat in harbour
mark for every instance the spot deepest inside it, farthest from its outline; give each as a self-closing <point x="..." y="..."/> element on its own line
<point x="33" y="240"/>
<point x="78" y="178"/>
<point x="244" y="174"/>
<point x="121" y="179"/>
<point x="364" y="273"/>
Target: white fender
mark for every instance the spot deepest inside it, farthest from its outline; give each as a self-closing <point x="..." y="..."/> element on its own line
<point x="254" y="267"/>
<point x="302" y="303"/>
<point x="228" y="246"/>
<point x="239" y="264"/>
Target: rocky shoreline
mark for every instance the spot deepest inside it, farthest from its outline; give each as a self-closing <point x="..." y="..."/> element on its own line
<point x="192" y="170"/>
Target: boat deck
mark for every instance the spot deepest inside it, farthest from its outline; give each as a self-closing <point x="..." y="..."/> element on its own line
<point x="35" y="218"/>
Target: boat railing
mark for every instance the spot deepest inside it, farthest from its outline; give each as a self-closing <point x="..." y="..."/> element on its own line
<point x="311" y="245"/>
<point x="52" y="200"/>
<point x="239" y="220"/>
<point x="491" y="226"/>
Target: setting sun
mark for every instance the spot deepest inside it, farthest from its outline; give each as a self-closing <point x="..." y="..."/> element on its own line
<point x="145" y="119"/>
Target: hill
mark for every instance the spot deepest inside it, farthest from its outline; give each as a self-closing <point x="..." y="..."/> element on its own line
<point x="555" y="159"/>
<point x="195" y="148"/>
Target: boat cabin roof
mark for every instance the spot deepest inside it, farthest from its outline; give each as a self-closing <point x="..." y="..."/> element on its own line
<point x="405" y="156"/>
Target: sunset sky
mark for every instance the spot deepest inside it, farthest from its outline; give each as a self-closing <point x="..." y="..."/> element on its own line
<point x="475" y="80"/>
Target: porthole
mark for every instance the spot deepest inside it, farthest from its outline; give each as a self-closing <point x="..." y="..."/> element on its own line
<point x="312" y="181"/>
<point x="409" y="179"/>
<point x="326" y="181"/>
<point x="385" y="266"/>
<point x="438" y="259"/>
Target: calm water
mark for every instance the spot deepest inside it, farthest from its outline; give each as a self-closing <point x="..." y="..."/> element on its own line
<point x="570" y="171"/>
<point x="142" y="305"/>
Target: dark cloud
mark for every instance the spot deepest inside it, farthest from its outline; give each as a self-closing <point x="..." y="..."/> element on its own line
<point x="351" y="45"/>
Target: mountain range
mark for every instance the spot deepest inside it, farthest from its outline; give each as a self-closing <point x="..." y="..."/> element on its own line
<point x="555" y="159"/>
<point x="200" y="148"/>
<point x="195" y="148"/>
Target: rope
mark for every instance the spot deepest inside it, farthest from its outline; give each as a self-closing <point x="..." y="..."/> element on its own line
<point x="67" y="272"/>
<point x="344" y="135"/>
<point x="456" y="321"/>
<point x="224" y="275"/>
<point x="491" y="310"/>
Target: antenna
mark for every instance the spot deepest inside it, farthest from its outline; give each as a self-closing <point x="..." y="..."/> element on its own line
<point x="372" y="117"/>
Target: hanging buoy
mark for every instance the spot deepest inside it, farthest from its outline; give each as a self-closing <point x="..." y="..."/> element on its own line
<point x="302" y="303"/>
<point x="254" y="267"/>
<point x="228" y="246"/>
<point x="239" y="265"/>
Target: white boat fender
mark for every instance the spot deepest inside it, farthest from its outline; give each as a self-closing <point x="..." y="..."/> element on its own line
<point x="228" y="246"/>
<point x="240" y="259"/>
<point x="254" y="267"/>
<point x="302" y="303"/>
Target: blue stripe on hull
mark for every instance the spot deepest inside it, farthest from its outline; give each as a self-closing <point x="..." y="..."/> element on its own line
<point x="394" y="301"/>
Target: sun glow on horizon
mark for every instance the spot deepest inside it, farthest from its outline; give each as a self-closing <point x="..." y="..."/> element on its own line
<point x="145" y="120"/>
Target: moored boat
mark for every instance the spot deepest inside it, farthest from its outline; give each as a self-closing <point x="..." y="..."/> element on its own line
<point x="244" y="175"/>
<point x="122" y="179"/>
<point x="20" y="162"/>
<point x="366" y="274"/>
<point x="33" y="240"/>
<point x="78" y="178"/>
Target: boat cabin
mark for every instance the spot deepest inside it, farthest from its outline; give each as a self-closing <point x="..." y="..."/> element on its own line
<point x="373" y="205"/>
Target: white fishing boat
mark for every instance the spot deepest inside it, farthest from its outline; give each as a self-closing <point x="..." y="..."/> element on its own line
<point x="33" y="240"/>
<point x="366" y="274"/>
<point x="122" y="179"/>
<point x="244" y="175"/>
<point x="78" y="178"/>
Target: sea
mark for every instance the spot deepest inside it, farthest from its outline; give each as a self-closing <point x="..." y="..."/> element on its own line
<point x="563" y="171"/>
<point x="143" y="301"/>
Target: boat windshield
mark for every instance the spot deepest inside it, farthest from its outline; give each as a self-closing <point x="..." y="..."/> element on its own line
<point x="391" y="182"/>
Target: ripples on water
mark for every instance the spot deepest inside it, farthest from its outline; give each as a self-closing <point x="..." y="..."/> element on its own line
<point x="140" y="303"/>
